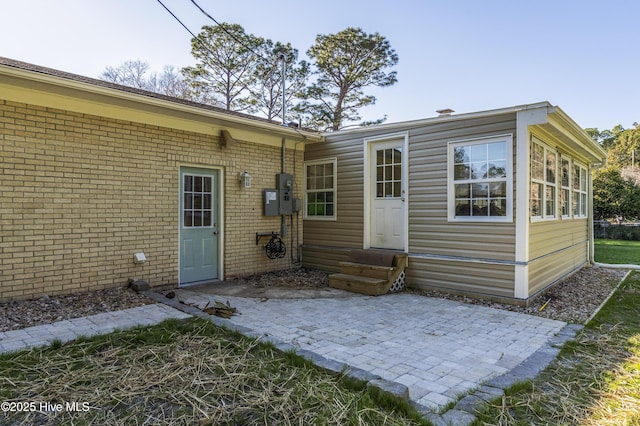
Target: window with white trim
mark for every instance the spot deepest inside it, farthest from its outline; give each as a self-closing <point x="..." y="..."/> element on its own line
<point x="320" y="189"/>
<point x="543" y="181"/>
<point x="480" y="179"/>
<point x="579" y="191"/>
<point x="565" y="187"/>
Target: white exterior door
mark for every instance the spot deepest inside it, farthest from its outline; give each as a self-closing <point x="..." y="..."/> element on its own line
<point x="387" y="194"/>
<point x="198" y="225"/>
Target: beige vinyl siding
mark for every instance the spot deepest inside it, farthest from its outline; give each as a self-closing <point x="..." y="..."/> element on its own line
<point x="556" y="248"/>
<point x="548" y="270"/>
<point x="430" y="233"/>
<point x="429" y="230"/>
<point x="550" y="236"/>
<point x="470" y="278"/>
<point x="324" y="258"/>
<point x="347" y="229"/>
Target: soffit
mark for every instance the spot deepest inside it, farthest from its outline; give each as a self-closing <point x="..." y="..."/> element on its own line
<point x="28" y="87"/>
<point x="571" y="137"/>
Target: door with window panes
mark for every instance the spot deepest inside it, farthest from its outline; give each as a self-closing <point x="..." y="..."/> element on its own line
<point x="387" y="198"/>
<point x="198" y="225"/>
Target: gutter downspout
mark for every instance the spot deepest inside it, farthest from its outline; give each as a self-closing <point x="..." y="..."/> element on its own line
<point x="590" y="232"/>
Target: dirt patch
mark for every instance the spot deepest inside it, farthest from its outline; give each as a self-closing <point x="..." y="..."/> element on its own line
<point x="289" y="278"/>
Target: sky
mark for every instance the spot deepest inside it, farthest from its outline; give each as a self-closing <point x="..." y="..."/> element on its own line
<point x="467" y="55"/>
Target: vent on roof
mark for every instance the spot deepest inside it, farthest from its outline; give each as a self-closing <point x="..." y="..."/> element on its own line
<point x="444" y="112"/>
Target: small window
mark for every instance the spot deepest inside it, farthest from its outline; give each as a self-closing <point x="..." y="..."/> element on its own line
<point x="579" y="192"/>
<point x="197" y="205"/>
<point x="543" y="181"/>
<point x="320" y="189"/>
<point x="565" y="187"/>
<point x="389" y="173"/>
<point x="480" y="179"/>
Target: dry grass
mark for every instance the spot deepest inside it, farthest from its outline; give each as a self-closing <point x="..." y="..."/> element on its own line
<point x="594" y="381"/>
<point x="184" y="373"/>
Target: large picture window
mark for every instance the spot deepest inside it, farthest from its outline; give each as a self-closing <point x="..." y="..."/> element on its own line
<point x="320" y="189"/>
<point x="480" y="179"/>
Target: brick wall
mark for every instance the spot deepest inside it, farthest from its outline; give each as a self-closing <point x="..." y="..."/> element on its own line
<point x="80" y="194"/>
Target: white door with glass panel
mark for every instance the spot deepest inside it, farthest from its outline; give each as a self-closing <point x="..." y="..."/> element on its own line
<point x="198" y="225"/>
<point x="387" y="221"/>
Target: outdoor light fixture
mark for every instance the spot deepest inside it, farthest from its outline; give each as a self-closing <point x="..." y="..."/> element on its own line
<point x="139" y="257"/>
<point x="245" y="179"/>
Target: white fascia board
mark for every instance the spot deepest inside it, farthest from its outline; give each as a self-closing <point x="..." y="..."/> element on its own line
<point x="405" y="125"/>
<point x="565" y="124"/>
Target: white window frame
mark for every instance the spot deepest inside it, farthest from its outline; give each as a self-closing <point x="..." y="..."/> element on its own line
<point x="334" y="189"/>
<point x="580" y="196"/>
<point x="451" y="182"/>
<point x="544" y="182"/>
<point x="568" y="189"/>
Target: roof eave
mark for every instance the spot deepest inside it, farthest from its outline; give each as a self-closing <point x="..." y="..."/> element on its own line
<point x="560" y="119"/>
<point x="403" y="125"/>
<point x="222" y="118"/>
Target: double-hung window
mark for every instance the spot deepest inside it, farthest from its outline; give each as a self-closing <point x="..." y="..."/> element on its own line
<point x="543" y="181"/>
<point x="320" y="189"/>
<point x="480" y="180"/>
<point x="579" y="191"/>
<point x="556" y="178"/>
<point x="565" y="187"/>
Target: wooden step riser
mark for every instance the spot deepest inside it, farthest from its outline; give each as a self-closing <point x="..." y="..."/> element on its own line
<point x="373" y="280"/>
<point x="367" y="271"/>
<point x="359" y="286"/>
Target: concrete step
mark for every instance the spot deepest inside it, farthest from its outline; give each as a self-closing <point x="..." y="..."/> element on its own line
<point x="359" y="284"/>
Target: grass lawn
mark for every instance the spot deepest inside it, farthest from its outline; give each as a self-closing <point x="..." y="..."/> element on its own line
<point x="188" y="372"/>
<point x="617" y="252"/>
<point x="594" y="381"/>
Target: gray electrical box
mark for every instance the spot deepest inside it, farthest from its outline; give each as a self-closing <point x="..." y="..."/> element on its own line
<point x="284" y="183"/>
<point x="271" y="202"/>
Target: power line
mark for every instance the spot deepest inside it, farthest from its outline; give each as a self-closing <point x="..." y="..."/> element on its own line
<point x="178" y="19"/>
<point x="223" y="28"/>
<point x="202" y="43"/>
<point x="210" y="54"/>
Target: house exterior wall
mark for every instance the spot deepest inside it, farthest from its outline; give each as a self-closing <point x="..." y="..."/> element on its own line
<point x="558" y="246"/>
<point x="473" y="258"/>
<point x="80" y="193"/>
<point x="547" y="270"/>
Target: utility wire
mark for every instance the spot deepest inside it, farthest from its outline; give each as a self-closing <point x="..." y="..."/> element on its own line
<point x="242" y="43"/>
<point x="211" y="55"/>
<point x="178" y="19"/>
<point x="202" y="43"/>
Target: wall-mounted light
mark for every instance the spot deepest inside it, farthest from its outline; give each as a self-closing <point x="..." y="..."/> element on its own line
<point x="245" y="179"/>
<point x="139" y="257"/>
